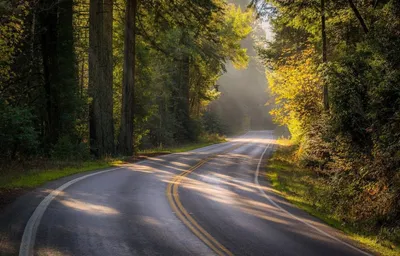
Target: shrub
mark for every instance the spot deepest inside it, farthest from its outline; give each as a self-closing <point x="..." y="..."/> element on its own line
<point x="67" y="149"/>
<point x="17" y="133"/>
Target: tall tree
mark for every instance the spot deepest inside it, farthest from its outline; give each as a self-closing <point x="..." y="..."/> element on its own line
<point x="59" y="72"/>
<point x="181" y="96"/>
<point x="67" y="73"/>
<point x="125" y="141"/>
<point x="48" y="40"/>
<point x="324" y="53"/>
<point x="101" y="77"/>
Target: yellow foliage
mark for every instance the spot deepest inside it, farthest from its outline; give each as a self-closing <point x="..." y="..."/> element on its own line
<point x="237" y="27"/>
<point x="296" y="86"/>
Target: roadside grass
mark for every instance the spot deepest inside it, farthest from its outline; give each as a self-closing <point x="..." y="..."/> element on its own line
<point x="177" y="149"/>
<point x="36" y="177"/>
<point x="301" y="187"/>
<point x="29" y="175"/>
<point x="205" y="140"/>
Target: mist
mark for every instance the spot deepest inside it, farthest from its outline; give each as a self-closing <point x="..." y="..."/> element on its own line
<point x="242" y="103"/>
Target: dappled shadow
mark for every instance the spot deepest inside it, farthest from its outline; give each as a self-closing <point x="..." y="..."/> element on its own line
<point x="94" y="209"/>
<point x="229" y="180"/>
<point x="225" y="181"/>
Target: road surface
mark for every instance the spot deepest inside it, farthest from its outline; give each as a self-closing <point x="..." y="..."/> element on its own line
<point x="210" y="201"/>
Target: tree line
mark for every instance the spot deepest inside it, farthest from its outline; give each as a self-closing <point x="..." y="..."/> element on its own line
<point x="110" y="76"/>
<point x="334" y="73"/>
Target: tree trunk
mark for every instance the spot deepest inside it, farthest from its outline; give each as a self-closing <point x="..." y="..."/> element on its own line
<point x="101" y="125"/>
<point x="107" y="98"/>
<point x="324" y="54"/>
<point x="181" y="91"/>
<point x="359" y="17"/>
<point x="48" y="41"/>
<point x="68" y="89"/>
<point x="125" y="145"/>
<point x="184" y="108"/>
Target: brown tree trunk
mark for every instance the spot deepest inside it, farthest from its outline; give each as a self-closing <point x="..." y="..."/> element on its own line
<point x="48" y="41"/>
<point x="107" y="98"/>
<point x="181" y="91"/>
<point x="67" y="88"/>
<point x="125" y="141"/>
<point x="359" y="17"/>
<point x="324" y="54"/>
<point x="101" y="125"/>
<point x="94" y="72"/>
<point x="184" y="88"/>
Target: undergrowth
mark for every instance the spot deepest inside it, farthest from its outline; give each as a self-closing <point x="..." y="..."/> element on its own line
<point x="313" y="192"/>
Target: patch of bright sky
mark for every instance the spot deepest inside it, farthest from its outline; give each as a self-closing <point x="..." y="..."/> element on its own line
<point x="264" y="10"/>
<point x="266" y="26"/>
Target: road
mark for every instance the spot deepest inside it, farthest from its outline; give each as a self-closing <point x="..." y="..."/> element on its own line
<point x="209" y="201"/>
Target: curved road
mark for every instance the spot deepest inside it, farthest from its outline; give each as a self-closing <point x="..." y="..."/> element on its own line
<point x="210" y="201"/>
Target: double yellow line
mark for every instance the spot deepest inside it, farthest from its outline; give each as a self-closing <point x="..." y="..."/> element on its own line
<point x="184" y="216"/>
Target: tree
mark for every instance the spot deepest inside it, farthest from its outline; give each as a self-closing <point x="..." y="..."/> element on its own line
<point x="157" y="79"/>
<point x="125" y="142"/>
<point x="356" y="146"/>
<point x="324" y="54"/>
<point x="358" y="15"/>
<point x="101" y="77"/>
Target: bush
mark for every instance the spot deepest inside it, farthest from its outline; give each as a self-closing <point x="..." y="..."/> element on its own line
<point x="17" y="133"/>
<point x="212" y="123"/>
<point x="67" y="149"/>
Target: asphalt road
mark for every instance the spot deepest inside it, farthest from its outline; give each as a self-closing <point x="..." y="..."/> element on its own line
<point x="208" y="201"/>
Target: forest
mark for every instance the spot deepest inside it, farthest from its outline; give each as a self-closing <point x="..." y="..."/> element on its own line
<point x="90" y="79"/>
<point x="104" y="77"/>
<point x="333" y="69"/>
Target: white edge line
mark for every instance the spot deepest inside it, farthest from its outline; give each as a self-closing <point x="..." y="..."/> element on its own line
<point x="293" y="216"/>
<point x="29" y="235"/>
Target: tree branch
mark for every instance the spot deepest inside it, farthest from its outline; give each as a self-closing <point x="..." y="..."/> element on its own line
<point x="359" y="17"/>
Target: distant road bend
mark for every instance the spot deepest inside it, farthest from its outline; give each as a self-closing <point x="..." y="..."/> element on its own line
<point x="209" y="201"/>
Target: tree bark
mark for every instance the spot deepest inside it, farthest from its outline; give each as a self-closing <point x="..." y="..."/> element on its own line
<point x="94" y="72"/>
<point x="101" y="125"/>
<point x="324" y="54"/>
<point x="107" y="98"/>
<point x="359" y="17"/>
<point x="184" y="110"/>
<point x="181" y="92"/>
<point x="68" y="88"/>
<point x="125" y="145"/>
<point x="48" y="41"/>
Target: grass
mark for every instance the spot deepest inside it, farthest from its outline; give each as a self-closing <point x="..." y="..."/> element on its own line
<point x="36" y="177"/>
<point x="302" y="187"/>
<point x="177" y="149"/>
<point x="32" y="175"/>
<point x="206" y="140"/>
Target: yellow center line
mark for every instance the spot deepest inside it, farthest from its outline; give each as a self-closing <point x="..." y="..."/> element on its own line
<point x="185" y="217"/>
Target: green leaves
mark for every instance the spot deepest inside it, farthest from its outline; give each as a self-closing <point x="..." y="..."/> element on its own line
<point x="17" y="133"/>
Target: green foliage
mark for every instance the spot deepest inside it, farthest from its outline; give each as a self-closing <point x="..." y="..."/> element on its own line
<point x="354" y="146"/>
<point x="17" y="133"/>
<point x="67" y="149"/>
<point x="295" y="85"/>
<point x="333" y="200"/>
<point x="11" y="31"/>
<point x="181" y="51"/>
<point x="212" y="124"/>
